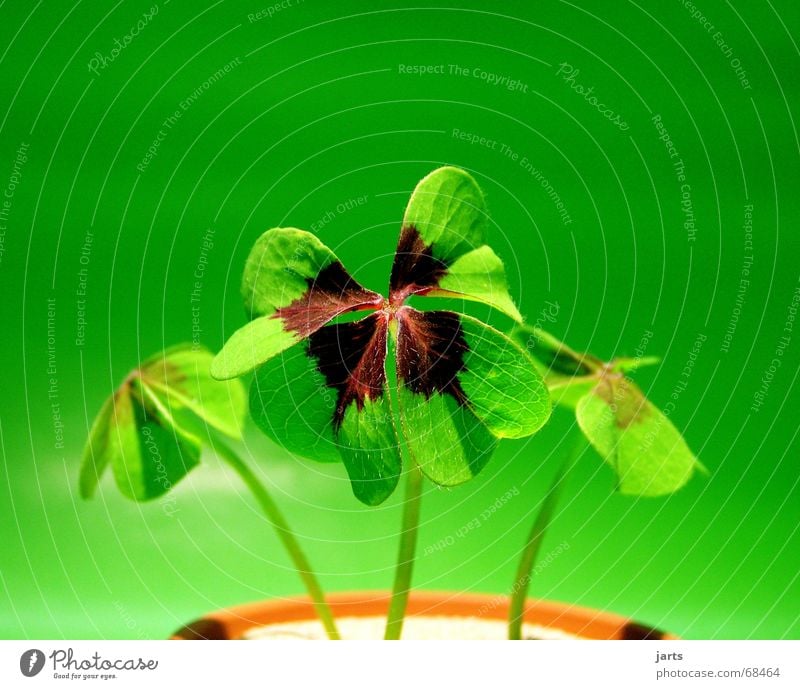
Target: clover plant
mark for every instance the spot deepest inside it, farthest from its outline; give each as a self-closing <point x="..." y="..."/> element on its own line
<point x="396" y="391"/>
<point x="151" y="432"/>
<point x="648" y="454"/>
<point x="323" y="388"/>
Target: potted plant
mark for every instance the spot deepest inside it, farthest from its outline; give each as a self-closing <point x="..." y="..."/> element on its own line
<point x="394" y="394"/>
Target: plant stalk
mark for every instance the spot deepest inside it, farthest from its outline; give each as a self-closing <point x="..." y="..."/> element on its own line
<point x="406" y="553"/>
<point x="285" y="533"/>
<point x="522" y="581"/>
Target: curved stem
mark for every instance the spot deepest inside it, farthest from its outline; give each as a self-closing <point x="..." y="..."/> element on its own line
<point x="287" y="537"/>
<point x="522" y="581"/>
<point x="405" y="554"/>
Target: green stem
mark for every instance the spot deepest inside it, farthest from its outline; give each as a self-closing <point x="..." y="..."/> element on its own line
<point x="287" y="537"/>
<point x="405" y="554"/>
<point x="522" y="582"/>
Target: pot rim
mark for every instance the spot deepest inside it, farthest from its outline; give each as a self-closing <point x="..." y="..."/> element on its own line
<point x="588" y="623"/>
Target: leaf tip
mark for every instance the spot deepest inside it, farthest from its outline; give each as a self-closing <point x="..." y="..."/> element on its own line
<point x="219" y="368"/>
<point x="87" y="486"/>
<point x="701" y="468"/>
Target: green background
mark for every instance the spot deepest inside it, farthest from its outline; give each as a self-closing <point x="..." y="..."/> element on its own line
<point x="314" y="111"/>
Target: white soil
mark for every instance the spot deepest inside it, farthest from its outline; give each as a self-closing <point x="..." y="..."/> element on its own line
<point x="414" y="628"/>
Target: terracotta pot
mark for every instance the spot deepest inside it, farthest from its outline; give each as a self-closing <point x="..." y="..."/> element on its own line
<point x="232" y="623"/>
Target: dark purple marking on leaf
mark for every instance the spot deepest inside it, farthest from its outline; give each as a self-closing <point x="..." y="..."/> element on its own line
<point x="414" y="269"/>
<point x="163" y="372"/>
<point x="332" y="293"/>
<point x="351" y="356"/>
<point x="430" y="352"/>
<point x="624" y="398"/>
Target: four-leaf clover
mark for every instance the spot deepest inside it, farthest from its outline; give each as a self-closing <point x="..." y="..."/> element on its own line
<point x="327" y="387"/>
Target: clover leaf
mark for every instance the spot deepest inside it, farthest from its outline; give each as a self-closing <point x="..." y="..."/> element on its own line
<point x="648" y="454"/>
<point x="147" y="430"/>
<point x="327" y="389"/>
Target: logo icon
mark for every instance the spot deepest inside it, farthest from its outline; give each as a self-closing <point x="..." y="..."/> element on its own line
<point x="31" y="662"/>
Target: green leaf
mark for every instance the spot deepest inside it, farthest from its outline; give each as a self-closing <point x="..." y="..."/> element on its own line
<point x="327" y="399"/>
<point x="503" y="388"/>
<point x="96" y="455"/>
<point x="448" y="210"/>
<point x="147" y="456"/>
<point x="442" y="250"/>
<point x="460" y="384"/>
<point x="292" y="286"/>
<point x="291" y="403"/>
<point x="182" y="374"/>
<point x="151" y="430"/>
<point x="278" y="269"/>
<point x="370" y="451"/>
<point x="122" y="445"/>
<point x="445" y="438"/>
<point x="630" y="364"/>
<point x="567" y="392"/>
<point x="648" y="454"/>
<point x="479" y="276"/>
<point x="252" y="345"/>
